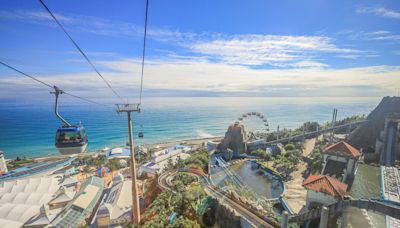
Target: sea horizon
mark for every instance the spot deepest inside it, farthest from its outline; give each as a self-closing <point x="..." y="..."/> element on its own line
<point x="28" y="129"/>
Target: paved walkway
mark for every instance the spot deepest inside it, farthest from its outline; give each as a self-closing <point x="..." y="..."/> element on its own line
<point x="295" y="194"/>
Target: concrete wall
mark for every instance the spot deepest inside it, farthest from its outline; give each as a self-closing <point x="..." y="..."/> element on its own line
<point x="226" y="217"/>
<point x="350" y="168"/>
<point x="318" y="197"/>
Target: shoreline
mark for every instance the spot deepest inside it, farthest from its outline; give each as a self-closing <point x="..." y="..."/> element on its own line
<point x="159" y="145"/>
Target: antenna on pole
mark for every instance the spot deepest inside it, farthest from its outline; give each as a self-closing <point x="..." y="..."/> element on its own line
<point x="129" y="108"/>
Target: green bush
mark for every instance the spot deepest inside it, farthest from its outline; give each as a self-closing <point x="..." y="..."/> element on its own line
<point x="289" y="147"/>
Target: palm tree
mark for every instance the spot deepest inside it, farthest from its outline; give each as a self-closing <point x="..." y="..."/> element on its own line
<point x="86" y="170"/>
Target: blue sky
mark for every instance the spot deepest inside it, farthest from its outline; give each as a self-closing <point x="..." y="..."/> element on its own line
<point x="204" y="48"/>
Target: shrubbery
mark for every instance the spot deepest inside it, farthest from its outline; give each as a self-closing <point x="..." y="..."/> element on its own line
<point x="187" y="194"/>
<point x="316" y="163"/>
<point x="199" y="159"/>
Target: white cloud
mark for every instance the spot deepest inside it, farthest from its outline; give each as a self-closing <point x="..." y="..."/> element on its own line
<point x="254" y="49"/>
<point x="380" y="11"/>
<point x="382" y="35"/>
<point x="99" y="26"/>
<point x="368" y="35"/>
<point x="203" y="78"/>
<point x="357" y="56"/>
<point x="246" y="49"/>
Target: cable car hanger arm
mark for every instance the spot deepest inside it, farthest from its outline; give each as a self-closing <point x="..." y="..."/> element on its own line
<point x="57" y="92"/>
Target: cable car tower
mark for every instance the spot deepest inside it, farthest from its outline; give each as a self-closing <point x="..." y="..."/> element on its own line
<point x="129" y="108"/>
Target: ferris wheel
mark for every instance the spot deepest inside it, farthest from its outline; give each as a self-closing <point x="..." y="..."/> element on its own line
<point x="256" y="124"/>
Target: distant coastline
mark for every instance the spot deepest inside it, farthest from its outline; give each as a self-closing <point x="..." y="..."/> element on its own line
<point x="161" y="145"/>
<point x="164" y="120"/>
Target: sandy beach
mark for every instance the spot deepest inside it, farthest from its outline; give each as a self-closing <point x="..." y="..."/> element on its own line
<point x="155" y="146"/>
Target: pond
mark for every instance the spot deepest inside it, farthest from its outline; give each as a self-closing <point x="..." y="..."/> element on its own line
<point x="366" y="185"/>
<point x="258" y="180"/>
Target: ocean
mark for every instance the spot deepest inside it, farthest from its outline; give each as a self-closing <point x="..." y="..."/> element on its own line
<point x="29" y="129"/>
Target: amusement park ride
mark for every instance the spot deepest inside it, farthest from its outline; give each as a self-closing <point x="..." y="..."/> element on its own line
<point x="256" y="124"/>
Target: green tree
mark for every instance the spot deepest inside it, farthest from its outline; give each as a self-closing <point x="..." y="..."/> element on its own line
<point x="113" y="164"/>
<point x="170" y="164"/>
<point x="316" y="160"/>
<point x="289" y="147"/>
<point x="182" y="222"/>
<point x="86" y="170"/>
<point x="180" y="163"/>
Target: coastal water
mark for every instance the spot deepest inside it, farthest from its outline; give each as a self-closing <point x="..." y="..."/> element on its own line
<point x="28" y="129"/>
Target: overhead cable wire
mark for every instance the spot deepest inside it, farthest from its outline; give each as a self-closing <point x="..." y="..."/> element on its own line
<point x="27" y="75"/>
<point x="144" y="50"/>
<point x="79" y="49"/>
<point x="48" y="85"/>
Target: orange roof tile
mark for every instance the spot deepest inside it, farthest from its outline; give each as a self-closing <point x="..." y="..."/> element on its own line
<point x="342" y="148"/>
<point x="326" y="184"/>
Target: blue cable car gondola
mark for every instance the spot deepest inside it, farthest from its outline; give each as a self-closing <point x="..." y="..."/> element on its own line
<point x="140" y="135"/>
<point x="70" y="139"/>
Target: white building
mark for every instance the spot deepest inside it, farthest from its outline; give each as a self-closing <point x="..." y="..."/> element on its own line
<point x="116" y="207"/>
<point x="340" y="161"/>
<point x="323" y="190"/>
<point x="160" y="158"/>
<point x="3" y="164"/>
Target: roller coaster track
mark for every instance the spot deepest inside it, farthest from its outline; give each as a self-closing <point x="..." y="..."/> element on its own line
<point x="238" y="180"/>
<point x="385" y="207"/>
<point x="229" y="173"/>
<point x="254" y="217"/>
<point x="306" y="135"/>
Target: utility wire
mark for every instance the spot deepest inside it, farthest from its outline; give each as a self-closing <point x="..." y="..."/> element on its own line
<point x="48" y="85"/>
<point x="27" y="75"/>
<point x="79" y="49"/>
<point x="144" y="50"/>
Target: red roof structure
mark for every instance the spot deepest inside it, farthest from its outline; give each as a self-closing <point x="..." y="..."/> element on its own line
<point x="326" y="184"/>
<point x="342" y="149"/>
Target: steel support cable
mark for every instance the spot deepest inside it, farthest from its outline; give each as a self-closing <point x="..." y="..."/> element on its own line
<point x="142" y="72"/>
<point x="144" y="50"/>
<point x="26" y="75"/>
<point x="79" y="49"/>
<point x="48" y="85"/>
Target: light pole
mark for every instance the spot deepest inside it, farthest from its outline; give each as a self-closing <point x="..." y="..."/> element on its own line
<point x="129" y="108"/>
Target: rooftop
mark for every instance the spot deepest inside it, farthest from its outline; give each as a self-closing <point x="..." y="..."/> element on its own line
<point x="22" y="199"/>
<point x="35" y="169"/>
<point x="83" y="205"/>
<point x="326" y="184"/>
<point x="342" y="148"/>
<point x="86" y="197"/>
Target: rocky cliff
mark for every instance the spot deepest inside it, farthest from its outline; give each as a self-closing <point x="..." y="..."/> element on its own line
<point x="366" y="134"/>
<point x="235" y="139"/>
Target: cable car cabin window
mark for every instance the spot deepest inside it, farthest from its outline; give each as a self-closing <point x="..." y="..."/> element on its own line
<point x="68" y="136"/>
<point x="83" y="132"/>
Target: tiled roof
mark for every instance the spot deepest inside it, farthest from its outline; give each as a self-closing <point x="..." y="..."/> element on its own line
<point x="342" y="148"/>
<point x="326" y="184"/>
